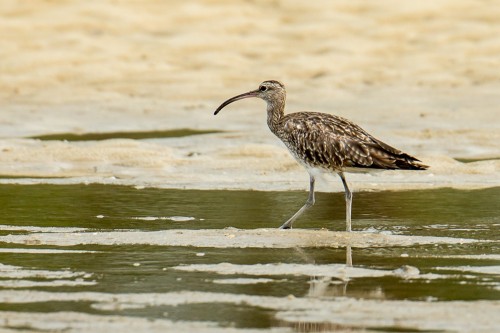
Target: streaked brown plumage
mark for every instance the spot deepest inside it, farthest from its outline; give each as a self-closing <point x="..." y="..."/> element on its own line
<point x="324" y="142"/>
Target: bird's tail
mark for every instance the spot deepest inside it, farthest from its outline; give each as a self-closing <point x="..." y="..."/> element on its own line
<point x="386" y="156"/>
<point x="407" y="162"/>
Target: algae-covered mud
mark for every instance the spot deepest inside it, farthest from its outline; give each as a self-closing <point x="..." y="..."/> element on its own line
<point x="100" y="258"/>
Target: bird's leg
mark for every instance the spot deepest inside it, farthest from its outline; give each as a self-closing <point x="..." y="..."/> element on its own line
<point x="348" y="202"/>
<point x="309" y="203"/>
<point x="348" y="256"/>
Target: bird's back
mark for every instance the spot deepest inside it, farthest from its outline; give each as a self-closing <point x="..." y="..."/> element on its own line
<point x="321" y="140"/>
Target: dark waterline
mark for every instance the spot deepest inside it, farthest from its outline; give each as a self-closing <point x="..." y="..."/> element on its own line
<point x="123" y="135"/>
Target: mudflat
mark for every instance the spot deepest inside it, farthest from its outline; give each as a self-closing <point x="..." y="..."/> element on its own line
<point x="419" y="76"/>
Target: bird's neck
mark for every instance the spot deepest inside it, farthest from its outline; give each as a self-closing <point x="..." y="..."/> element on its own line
<point x="275" y="111"/>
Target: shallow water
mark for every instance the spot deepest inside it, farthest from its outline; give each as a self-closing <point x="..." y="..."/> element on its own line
<point x="177" y="133"/>
<point x="184" y="285"/>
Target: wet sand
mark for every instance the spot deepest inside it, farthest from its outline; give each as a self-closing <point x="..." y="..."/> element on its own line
<point x="418" y="76"/>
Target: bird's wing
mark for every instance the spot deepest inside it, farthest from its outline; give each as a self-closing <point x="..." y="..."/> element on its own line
<point x="325" y="140"/>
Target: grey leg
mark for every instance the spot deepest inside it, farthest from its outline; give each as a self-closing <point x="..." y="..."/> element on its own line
<point x="348" y="202"/>
<point x="309" y="203"/>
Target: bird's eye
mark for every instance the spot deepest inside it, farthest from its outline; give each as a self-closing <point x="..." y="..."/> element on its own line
<point x="262" y="88"/>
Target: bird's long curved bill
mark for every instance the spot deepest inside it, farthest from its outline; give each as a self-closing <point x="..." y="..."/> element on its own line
<point x="249" y="94"/>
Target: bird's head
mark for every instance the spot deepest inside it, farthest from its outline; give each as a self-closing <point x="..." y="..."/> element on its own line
<point x="270" y="91"/>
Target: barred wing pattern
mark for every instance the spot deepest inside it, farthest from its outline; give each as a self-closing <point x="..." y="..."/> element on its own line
<point x="326" y="141"/>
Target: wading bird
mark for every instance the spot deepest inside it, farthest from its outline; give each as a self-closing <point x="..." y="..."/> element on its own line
<point x="323" y="142"/>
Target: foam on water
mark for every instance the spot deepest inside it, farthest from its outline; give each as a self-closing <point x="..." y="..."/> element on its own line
<point x="338" y="271"/>
<point x="224" y="238"/>
<point x="347" y="312"/>
<point x="171" y="218"/>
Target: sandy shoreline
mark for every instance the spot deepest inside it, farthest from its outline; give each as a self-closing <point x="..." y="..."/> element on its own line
<point x="418" y="76"/>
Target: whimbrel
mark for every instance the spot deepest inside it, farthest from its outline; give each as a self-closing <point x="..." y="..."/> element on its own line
<point x="323" y="142"/>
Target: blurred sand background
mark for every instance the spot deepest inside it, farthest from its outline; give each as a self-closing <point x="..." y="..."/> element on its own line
<point x="420" y="75"/>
